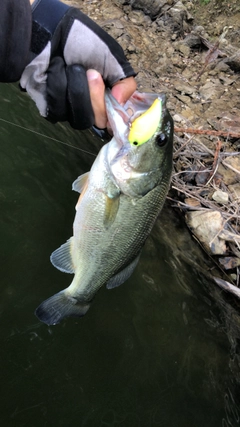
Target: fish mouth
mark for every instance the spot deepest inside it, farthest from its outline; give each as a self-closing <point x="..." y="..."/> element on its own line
<point x="118" y="117"/>
<point x="121" y="117"/>
<point x="139" y="103"/>
<point x="123" y="154"/>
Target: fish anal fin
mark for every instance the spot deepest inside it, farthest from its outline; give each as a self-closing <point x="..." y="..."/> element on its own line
<point x="79" y="184"/>
<point x="121" y="277"/>
<point x="61" y="258"/>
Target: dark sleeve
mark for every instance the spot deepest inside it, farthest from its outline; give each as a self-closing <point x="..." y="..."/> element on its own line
<point x="15" y="36"/>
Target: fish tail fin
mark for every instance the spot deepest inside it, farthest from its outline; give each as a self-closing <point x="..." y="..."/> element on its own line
<point x="54" y="309"/>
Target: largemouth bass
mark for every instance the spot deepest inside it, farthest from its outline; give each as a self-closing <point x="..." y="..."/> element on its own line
<point x="120" y="200"/>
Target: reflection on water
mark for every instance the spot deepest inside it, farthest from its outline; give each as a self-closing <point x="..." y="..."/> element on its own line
<point x="161" y="350"/>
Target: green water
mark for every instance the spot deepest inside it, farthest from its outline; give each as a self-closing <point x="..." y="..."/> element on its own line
<point x="161" y="350"/>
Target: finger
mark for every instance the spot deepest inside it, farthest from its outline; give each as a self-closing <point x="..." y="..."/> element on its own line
<point x="124" y="89"/>
<point x="96" y="89"/>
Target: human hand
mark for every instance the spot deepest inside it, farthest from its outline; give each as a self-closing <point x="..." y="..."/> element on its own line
<point x="73" y="60"/>
<point x="122" y="90"/>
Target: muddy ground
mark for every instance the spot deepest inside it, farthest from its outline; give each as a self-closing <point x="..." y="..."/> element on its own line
<point x="191" y="51"/>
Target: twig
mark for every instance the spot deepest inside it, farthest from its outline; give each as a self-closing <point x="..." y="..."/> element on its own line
<point x="215" y="162"/>
<point x="206" y="203"/>
<point x="208" y="132"/>
<point x="180" y="149"/>
<point x="186" y="206"/>
<point x="230" y="167"/>
<point x="220" y="231"/>
<point x="213" y="51"/>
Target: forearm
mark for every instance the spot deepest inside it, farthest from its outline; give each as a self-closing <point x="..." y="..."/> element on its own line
<point x="15" y="31"/>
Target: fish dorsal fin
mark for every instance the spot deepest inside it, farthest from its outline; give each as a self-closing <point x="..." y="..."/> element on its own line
<point x="61" y="258"/>
<point x="111" y="210"/>
<point x="123" y="275"/>
<point x="79" y="183"/>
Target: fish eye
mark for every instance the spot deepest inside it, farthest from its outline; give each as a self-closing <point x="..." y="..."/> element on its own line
<point x="135" y="143"/>
<point x="161" y="139"/>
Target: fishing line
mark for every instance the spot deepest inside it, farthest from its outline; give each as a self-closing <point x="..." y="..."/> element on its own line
<point x="49" y="137"/>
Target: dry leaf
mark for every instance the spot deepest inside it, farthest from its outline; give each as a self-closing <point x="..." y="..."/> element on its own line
<point x="192" y="202"/>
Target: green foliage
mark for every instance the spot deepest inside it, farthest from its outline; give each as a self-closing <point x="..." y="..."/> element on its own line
<point x="205" y="1"/>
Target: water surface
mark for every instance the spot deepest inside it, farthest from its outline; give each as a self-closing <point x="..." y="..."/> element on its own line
<point x="160" y="350"/>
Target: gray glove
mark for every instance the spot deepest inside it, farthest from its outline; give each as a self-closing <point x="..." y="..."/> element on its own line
<point x="66" y="43"/>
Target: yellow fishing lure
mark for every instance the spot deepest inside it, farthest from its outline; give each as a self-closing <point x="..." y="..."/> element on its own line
<point x="144" y="126"/>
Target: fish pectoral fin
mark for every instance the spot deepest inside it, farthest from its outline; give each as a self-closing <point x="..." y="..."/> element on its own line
<point x="111" y="210"/>
<point x="123" y="275"/>
<point x="79" y="183"/>
<point x="61" y="258"/>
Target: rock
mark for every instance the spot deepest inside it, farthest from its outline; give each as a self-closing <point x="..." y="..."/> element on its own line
<point x="125" y="41"/>
<point x="176" y="19"/>
<point x="211" y="91"/>
<point x="202" y="176"/>
<point x="222" y="66"/>
<point x="230" y="121"/>
<point x="137" y="17"/>
<point x="183" y="98"/>
<point x="185" y="89"/>
<point x="188" y="113"/>
<point x="235" y="191"/>
<point x="192" y="40"/>
<point x="199" y="31"/>
<point x="229" y="263"/>
<point x="177" y="118"/>
<point x="183" y="48"/>
<point x="234" y="62"/>
<point x="220" y="197"/>
<point x="206" y="226"/>
<point x="150" y="7"/>
<point x="228" y="175"/>
<point x="180" y="13"/>
<point x="233" y="163"/>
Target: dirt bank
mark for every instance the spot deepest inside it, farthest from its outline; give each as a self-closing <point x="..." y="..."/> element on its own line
<point x="191" y="51"/>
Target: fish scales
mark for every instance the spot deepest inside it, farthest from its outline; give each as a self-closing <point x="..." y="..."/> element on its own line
<point x="126" y="240"/>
